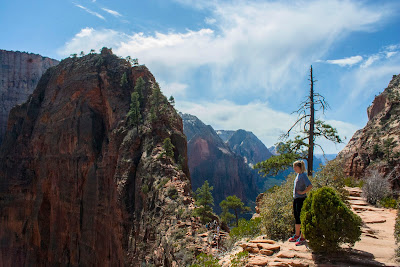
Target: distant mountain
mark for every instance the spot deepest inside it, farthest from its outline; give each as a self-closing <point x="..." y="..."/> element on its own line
<point x="247" y="145"/>
<point x="19" y="74"/>
<point x="210" y="158"/>
<point x="325" y="158"/>
<point x="225" y="134"/>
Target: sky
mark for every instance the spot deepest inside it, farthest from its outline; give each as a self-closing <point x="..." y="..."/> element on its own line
<point x="233" y="64"/>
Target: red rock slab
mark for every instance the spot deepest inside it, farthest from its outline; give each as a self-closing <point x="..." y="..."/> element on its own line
<point x="290" y="262"/>
<point x="262" y="241"/>
<point x="375" y="221"/>
<point x="266" y="252"/>
<point x="268" y="246"/>
<point x="286" y="254"/>
<point x="258" y="261"/>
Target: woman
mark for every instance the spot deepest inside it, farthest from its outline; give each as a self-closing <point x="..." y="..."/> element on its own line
<point x="302" y="186"/>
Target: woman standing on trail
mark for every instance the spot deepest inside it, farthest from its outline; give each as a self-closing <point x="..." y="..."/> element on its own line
<point x="302" y="185"/>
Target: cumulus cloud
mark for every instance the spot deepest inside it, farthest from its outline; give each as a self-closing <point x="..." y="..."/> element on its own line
<point x="349" y="61"/>
<point x="261" y="44"/>
<point x="90" y="11"/>
<point x="174" y="89"/>
<point x="112" y="12"/>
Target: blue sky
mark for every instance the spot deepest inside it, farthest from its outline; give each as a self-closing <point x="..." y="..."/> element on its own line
<point x="234" y="64"/>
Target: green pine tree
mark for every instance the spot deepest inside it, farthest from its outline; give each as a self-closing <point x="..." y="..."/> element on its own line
<point x="168" y="147"/>
<point x="134" y="115"/>
<point x="124" y="79"/>
<point x="139" y="88"/>
<point x="232" y="203"/>
<point x="204" y="202"/>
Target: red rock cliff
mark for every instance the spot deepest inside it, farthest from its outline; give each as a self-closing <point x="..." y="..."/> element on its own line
<point x="367" y="148"/>
<point x="19" y="74"/>
<point x="79" y="186"/>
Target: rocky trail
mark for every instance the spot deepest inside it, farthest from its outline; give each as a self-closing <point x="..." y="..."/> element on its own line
<point x="376" y="247"/>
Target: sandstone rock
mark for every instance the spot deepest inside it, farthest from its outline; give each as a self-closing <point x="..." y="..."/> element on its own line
<point x="267" y="241"/>
<point x="266" y="252"/>
<point x="383" y="123"/>
<point x="273" y="247"/>
<point x="258" y="261"/>
<point x="286" y="254"/>
<point x="78" y="183"/>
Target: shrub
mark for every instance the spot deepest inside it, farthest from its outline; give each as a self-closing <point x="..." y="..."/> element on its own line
<point x="145" y="189"/>
<point x="277" y="211"/>
<point x="172" y="192"/>
<point x="163" y="182"/>
<point x="397" y="232"/>
<point x="375" y="187"/>
<point x="388" y="202"/>
<point x="239" y="259"/>
<point x="246" y="228"/>
<point x="327" y="222"/>
<point x="205" y="260"/>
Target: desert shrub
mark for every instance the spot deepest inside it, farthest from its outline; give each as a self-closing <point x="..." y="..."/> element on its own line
<point x="327" y="222"/>
<point x="246" y="228"/>
<point x="205" y="260"/>
<point x="388" y="202"/>
<point x="353" y="182"/>
<point x="145" y="189"/>
<point x="331" y="175"/>
<point x="375" y="187"/>
<point x="172" y="192"/>
<point x="163" y="182"/>
<point x="277" y="211"/>
<point x="239" y="259"/>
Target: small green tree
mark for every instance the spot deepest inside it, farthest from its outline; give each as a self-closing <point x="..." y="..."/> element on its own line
<point x="139" y="88"/>
<point x="204" y="202"/>
<point x="124" y="79"/>
<point x="171" y="100"/>
<point x="327" y="222"/>
<point x="168" y="147"/>
<point x="389" y="144"/>
<point x="233" y="203"/>
<point x="134" y="115"/>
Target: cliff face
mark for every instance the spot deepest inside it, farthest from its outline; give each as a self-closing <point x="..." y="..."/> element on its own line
<point x="79" y="186"/>
<point x="377" y="145"/>
<point x="213" y="160"/>
<point x="19" y="74"/>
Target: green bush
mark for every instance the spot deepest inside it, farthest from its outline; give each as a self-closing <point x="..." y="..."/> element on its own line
<point x="327" y="222"/>
<point x="205" y="260"/>
<point x="277" y="211"/>
<point x="397" y="231"/>
<point x="239" y="259"/>
<point x="172" y="192"/>
<point x="246" y="228"/>
<point x="388" y="202"/>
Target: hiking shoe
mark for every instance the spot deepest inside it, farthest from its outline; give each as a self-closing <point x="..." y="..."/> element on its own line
<point x="294" y="238"/>
<point x="300" y="241"/>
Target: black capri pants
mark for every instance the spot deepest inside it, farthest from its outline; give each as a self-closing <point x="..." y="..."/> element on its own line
<point x="297" y="205"/>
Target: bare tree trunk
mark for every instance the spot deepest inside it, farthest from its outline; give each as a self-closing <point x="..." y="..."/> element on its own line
<point x="311" y="131"/>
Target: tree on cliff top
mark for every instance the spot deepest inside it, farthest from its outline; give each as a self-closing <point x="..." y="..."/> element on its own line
<point x="302" y="146"/>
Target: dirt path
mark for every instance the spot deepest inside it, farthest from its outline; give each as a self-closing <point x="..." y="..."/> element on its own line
<point x="376" y="248"/>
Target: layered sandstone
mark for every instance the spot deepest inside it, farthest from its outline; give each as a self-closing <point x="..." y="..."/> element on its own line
<point x="79" y="186"/>
<point x="368" y="148"/>
<point x="19" y="74"/>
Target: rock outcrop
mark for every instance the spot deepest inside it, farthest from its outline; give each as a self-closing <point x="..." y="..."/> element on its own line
<point x="210" y="158"/>
<point x="19" y="74"/>
<point x="377" y="145"/>
<point x="79" y="186"/>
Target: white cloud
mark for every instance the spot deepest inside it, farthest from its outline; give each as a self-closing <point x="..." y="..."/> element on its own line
<point x="174" y="89"/>
<point x="390" y="54"/>
<point x="210" y="20"/>
<point x="112" y="12"/>
<point x="90" y="11"/>
<point x="348" y="61"/>
<point x="266" y="45"/>
<point x="370" y="60"/>
<point x="267" y="124"/>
